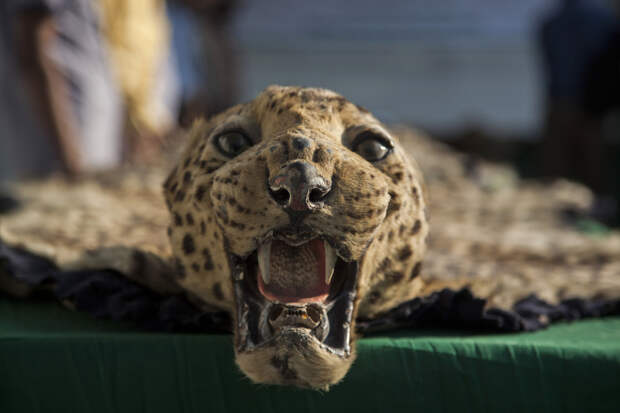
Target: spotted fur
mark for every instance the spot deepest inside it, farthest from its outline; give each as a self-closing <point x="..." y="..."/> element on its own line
<point x="376" y="211"/>
<point x="493" y="233"/>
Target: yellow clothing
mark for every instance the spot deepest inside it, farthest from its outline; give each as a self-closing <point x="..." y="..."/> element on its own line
<point x="138" y="34"/>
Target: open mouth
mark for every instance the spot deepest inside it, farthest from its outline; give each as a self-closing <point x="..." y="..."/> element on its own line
<point x="294" y="284"/>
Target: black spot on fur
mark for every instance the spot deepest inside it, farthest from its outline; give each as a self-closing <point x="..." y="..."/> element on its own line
<point x="345" y="253"/>
<point x="416" y="195"/>
<point x="373" y="297"/>
<point x="415" y="271"/>
<point x="179" y="269"/>
<point x="173" y="188"/>
<point x="416" y="227"/>
<point x="237" y="225"/>
<point x="301" y="143"/>
<point x="208" y="264"/>
<point x="168" y="181"/>
<point x="217" y="291"/>
<point x="339" y="100"/>
<point x="187" y="161"/>
<point x="401" y="230"/>
<point x="282" y="366"/>
<point x="203" y="228"/>
<point x="212" y="169"/>
<point x="385" y="264"/>
<point x="222" y="215"/>
<point x="398" y="176"/>
<point x="188" y="244"/>
<point x="180" y="196"/>
<point x="395" y="276"/>
<point x="189" y="218"/>
<point x="320" y="156"/>
<point x="187" y="176"/>
<point x="404" y="253"/>
<point x="195" y="267"/>
<point x="178" y="221"/>
<point x="393" y="207"/>
<point x="200" y="192"/>
<point x="354" y="215"/>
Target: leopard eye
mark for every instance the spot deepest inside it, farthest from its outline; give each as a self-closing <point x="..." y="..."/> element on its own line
<point x="232" y="144"/>
<point x="371" y="146"/>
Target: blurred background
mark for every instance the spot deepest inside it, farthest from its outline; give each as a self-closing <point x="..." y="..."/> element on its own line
<point x="93" y="84"/>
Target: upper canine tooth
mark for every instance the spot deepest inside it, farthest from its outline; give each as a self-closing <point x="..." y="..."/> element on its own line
<point x="264" y="255"/>
<point x="330" y="262"/>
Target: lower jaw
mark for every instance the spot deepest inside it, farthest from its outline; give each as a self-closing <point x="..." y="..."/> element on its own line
<point x="294" y="357"/>
<point x="331" y="336"/>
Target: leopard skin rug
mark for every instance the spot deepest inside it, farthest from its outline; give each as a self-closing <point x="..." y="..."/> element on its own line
<point x="504" y="253"/>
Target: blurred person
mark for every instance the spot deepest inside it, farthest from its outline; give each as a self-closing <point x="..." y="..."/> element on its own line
<point x="205" y="55"/>
<point x="96" y="71"/>
<point x="59" y="57"/>
<point x="572" y="39"/>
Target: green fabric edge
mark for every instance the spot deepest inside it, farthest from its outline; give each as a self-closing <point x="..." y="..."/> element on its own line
<point x="54" y="360"/>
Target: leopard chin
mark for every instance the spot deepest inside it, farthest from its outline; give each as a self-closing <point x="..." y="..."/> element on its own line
<point x="294" y="317"/>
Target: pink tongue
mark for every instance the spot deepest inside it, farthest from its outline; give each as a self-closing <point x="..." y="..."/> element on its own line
<point x="297" y="274"/>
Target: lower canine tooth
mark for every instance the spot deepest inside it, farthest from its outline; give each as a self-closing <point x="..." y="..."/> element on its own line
<point x="328" y="278"/>
<point x="264" y="255"/>
<point x="330" y="262"/>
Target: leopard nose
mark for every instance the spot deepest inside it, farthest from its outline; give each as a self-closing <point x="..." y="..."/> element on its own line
<point x="299" y="187"/>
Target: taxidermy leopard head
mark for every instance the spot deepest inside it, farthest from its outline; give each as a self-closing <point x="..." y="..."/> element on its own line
<point x="297" y="212"/>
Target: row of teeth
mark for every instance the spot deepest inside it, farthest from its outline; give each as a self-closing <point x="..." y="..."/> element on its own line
<point x="264" y="257"/>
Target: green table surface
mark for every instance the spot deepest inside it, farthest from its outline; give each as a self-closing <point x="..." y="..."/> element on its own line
<point x="54" y="360"/>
